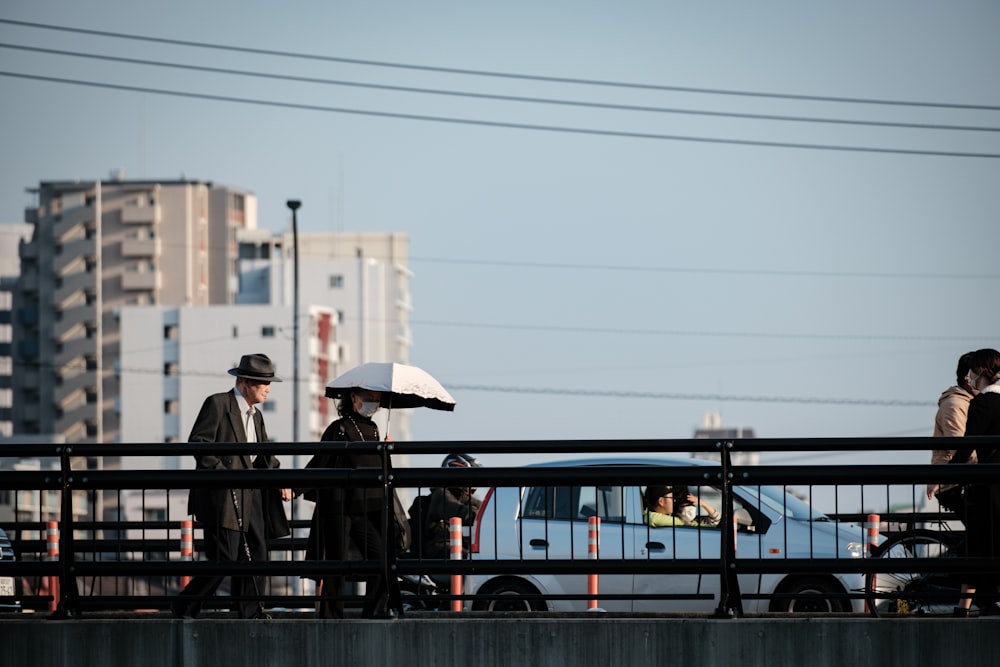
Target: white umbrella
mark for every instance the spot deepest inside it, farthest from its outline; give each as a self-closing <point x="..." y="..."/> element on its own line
<point x="402" y="386"/>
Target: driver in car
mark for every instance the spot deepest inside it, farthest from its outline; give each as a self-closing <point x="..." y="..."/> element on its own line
<point x="676" y="506"/>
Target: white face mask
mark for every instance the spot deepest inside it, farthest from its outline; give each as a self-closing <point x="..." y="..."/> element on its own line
<point x="973" y="381"/>
<point x="368" y="408"/>
<point x="688" y="513"/>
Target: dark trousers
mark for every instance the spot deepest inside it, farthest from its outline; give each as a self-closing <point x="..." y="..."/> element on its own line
<point x="222" y="544"/>
<point x="365" y="533"/>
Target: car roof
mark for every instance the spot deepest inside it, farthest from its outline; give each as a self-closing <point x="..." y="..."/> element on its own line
<point x="624" y="461"/>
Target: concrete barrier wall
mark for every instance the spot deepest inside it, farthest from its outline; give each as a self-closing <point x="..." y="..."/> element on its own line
<point x="488" y="642"/>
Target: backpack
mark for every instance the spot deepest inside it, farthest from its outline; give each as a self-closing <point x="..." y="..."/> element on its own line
<point x="419" y="530"/>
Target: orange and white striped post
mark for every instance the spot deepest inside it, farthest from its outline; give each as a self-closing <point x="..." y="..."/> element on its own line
<point x="872" y="524"/>
<point x="455" y="541"/>
<point x="593" y="544"/>
<point x="736" y="530"/>
<point x="52" y="554"/>
<point x="187" y="546"/>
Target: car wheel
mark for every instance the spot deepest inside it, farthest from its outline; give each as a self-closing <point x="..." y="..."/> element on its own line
<point x="511" y="597"/>
<point x="820" y="597"/>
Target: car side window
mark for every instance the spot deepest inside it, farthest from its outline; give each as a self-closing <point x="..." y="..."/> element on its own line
<point x="576" y="503"/>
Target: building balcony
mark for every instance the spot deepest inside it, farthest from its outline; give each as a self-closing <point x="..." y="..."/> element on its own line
<point x="74" y="318"/>
<point x="75" y="418"/>
<point x="78" y="348"/>
<point x="81" y="380"/>
<point x="28" y="412"/>
<point x="28" y="282"/>
<point x="171" y="388"/>
<point x="68" y="401"/>
<point x="172" y="426"/>
<point x="71" y="286"/>
<point x="141" y="248"/>
<point x="81" y="215"/>
<point x="72" y="252"/>
<point x="133" y="214"/>
<point x="141" y="280"/>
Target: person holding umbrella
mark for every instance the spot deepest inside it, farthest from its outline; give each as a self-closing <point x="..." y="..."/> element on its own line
<point x="351" y="516"/>
<point x="360" y="516"/>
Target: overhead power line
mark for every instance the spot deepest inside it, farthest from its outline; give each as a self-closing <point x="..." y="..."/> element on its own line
<point x="502" y="98"/>
<point x="714" y="270"/>
<point x="659" y="395"/>
<point x="598" y="393"/>
<point x="500" y="124"/>
<point x="697" y="334"/>
<point x="494" y="74"/>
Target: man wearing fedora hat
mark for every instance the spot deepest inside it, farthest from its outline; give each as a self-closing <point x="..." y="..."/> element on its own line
<point x="236" y="522"/>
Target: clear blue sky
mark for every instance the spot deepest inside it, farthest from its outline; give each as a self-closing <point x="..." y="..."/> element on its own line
<point x="716" y="275"/>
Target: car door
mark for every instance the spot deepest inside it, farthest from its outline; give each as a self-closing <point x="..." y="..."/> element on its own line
<point x="554" y="525"/>
<point x="701" y="543"/>
<point x="676" y="543"/>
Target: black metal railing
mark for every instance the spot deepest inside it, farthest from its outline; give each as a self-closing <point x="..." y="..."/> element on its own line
<point x="113" y="561"/>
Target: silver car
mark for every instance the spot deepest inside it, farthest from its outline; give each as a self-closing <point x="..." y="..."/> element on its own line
<point x="536" y="523"/>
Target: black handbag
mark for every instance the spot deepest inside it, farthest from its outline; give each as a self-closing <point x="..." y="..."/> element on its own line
<point x="952" y="499"/>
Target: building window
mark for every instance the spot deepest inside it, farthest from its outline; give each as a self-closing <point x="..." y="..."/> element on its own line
<point x="236" y="332"/>
<point x="267" y="332"/>
<point x="340" y="317"/>
<point x="336" y="282"/>
<point x="267" y="406"/>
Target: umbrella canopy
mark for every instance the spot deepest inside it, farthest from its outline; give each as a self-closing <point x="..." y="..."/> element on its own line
<point x="402" y="386"/>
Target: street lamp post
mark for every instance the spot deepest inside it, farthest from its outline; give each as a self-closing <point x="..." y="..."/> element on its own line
<point x="294" y="204"/>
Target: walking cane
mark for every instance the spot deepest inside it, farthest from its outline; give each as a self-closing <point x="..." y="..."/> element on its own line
<point x="246" y="551"/>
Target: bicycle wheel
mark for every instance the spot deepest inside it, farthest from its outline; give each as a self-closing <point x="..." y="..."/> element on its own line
<point x="905" y="592"/>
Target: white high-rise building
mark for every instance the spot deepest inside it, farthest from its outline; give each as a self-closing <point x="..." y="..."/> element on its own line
<point x="362" y="277"/>
<point x="351" y="310"/>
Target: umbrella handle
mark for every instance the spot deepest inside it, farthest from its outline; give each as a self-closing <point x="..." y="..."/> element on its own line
<point x="388" y="417"/>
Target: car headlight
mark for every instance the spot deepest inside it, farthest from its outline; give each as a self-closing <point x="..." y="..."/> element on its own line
<point x="856" y="549"/>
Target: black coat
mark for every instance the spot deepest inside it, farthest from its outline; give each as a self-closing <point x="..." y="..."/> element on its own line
<point x="220" y="420"/>
<point x="335" y="504"/>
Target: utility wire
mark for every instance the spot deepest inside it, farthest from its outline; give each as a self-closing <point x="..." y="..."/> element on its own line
<point x="879" y="402"/>
<point x="502" y="124"/>
<point x="602" y="393"/>
<point x="503" y="98"/>
<point x="494" y="74"/>
<point x="571" y="266"/>
<point x="710" y="271"/>
<point x="699" y="334"/>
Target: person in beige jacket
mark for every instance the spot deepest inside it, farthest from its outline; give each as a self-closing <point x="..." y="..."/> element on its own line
<point x="953" y="410"/>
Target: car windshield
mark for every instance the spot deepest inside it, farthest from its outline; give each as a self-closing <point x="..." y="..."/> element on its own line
<point x="776" y="498"/>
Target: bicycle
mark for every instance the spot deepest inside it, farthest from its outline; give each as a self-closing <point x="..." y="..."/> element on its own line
<point x="907" y="593"/>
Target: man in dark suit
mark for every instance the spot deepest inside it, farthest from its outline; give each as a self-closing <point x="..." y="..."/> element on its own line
<point x="235" y="521"/>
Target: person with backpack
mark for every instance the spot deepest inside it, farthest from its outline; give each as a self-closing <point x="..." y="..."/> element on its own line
<point x="429" y="514"/>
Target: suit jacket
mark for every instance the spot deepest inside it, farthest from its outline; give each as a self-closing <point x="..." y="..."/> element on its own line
<point x="220" y="420"/>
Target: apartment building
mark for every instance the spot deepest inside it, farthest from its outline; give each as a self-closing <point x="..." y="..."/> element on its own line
<point x="97" y="247"/>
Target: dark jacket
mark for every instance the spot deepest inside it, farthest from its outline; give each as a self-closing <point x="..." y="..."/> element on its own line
<point x="220" y="421"/>
<point x="335" y="504"/>
<point x="444" y="505"/>
<point x="984" y="419"/>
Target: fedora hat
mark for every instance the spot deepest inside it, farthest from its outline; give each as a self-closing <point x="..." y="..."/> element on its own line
<point x="257" y="367"/>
